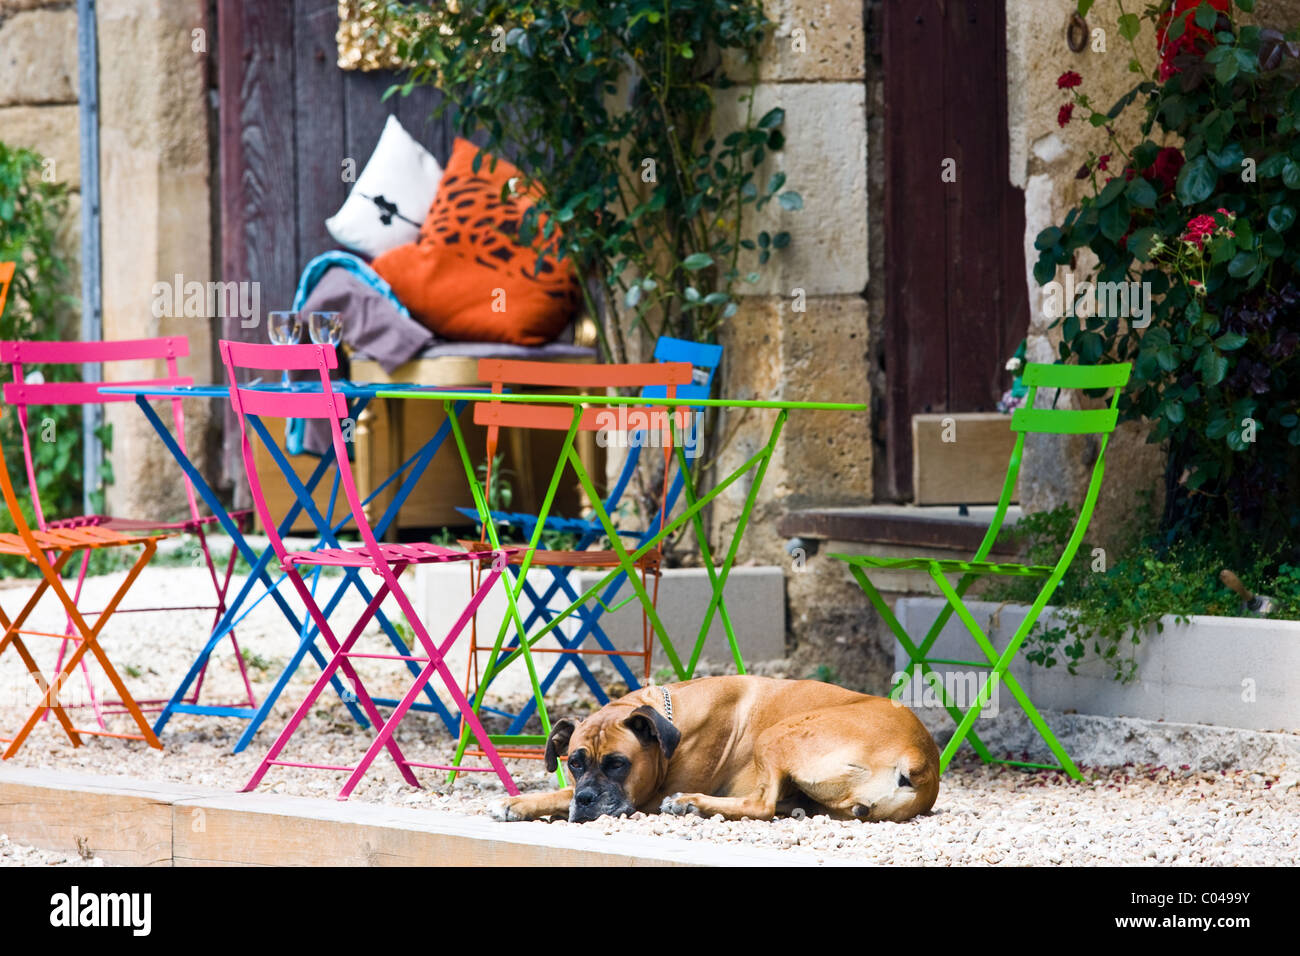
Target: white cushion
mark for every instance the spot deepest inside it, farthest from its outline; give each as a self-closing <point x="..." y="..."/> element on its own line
<point x="390" y="198"/>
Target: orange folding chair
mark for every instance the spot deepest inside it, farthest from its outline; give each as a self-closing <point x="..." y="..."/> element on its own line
<point x="51" y="551"/>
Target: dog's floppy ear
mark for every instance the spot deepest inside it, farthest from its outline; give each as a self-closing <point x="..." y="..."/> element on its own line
<point x="557" y="745"/>
<point x="651" y="726"/>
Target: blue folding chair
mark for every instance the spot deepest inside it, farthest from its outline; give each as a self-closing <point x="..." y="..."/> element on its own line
<point x="705" y="359"/>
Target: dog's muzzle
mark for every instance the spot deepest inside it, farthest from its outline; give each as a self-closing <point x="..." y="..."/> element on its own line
<point x="591" y="802"/>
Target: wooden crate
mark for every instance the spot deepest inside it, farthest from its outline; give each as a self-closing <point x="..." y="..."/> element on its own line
<point x="968" y="470"/>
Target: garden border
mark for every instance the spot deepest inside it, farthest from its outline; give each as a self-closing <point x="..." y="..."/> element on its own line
<point x="134" y="822"/>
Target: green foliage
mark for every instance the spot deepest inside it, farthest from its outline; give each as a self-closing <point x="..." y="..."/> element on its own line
<point x="1203" y="209"/>
<point x="1105" y="608"/>
<point x="31" y="211"/>
<point x="609" y="107"/>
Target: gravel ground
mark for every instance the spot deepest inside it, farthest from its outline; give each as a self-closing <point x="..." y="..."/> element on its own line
<point x="12" y="854"/>
<point x="989" y="815"/>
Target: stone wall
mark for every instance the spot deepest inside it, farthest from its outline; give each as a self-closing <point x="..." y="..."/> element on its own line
<point x="38" y="101"/>
<point x="803" y="333"/>
<point x="155" y="160"/>
<point x="155" y="190"/>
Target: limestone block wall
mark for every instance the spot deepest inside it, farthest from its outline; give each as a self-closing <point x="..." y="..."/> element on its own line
<point x="803" y="333"/>
<point x="38" y="100"/>
<point x="155" y="160"/>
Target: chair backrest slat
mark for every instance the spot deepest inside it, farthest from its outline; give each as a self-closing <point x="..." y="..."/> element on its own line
<point x="327" y="403"/>
<point x="572" y="375"/>
<point x="1064" y="421"/>
<point x="276" y="358"/>
<point x="80" y="353"/>
<point x="293" y="405"/>
<point x="1076" y="376"/>
<point x="23" y="393"/>
<point x="612" y="420"/>
<point x="78" y="393"/>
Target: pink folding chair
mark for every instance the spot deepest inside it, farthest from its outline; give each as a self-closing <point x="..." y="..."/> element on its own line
<point x="22" y="393"/>
<point x="386" y="560"/>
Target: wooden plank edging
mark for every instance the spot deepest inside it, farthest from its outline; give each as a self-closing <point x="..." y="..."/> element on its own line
<point x="146" y="823"/>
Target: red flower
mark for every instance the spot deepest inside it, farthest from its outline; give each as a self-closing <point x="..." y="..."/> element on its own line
<point x="1199" y="228"/>
<point x="1165" y="169"/>
<point x="1064" y="115"/>
<point x="1068" y="80"/>
<point x="1103" y="161"/>
<point x="1194" y="40"/>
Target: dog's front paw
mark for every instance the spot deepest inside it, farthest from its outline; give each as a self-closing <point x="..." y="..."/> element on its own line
<point x="504" y="811"/>
<point x="678" y="805"/>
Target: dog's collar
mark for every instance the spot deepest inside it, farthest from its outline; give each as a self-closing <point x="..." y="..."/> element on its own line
<point x="668" y="704"/>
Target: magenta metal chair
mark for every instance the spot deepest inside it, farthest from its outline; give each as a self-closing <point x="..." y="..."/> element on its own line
<point x="23" y="393"/>
<point x="386" y="560"/>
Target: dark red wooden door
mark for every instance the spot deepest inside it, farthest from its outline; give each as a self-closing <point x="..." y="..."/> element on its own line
<point x="955" y="292"/>
<point x="289" y="117"/>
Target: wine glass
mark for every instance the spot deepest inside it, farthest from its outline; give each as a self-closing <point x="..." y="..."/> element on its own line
<point x="284" y="328"/>
<point x="326" y="328"/>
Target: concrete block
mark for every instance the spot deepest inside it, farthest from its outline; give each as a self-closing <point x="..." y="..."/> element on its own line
<point x="38" y="58"/>
<point x="809" y="40"/>
<point x="52" y="131"/>
<point x="755" y="599"/>
<point x="1231" y="672"/>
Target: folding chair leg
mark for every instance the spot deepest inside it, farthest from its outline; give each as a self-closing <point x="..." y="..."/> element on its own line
<point x="1000" y="671"/>
<point x="336" y="662"/>
<point x="916" y="660"/>
<point x="89" y="643"/>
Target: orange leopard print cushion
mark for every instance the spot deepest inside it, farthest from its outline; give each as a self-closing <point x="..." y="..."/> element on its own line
<point x="465" y="277"/>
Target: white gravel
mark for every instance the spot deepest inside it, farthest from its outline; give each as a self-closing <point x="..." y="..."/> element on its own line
<point x="14" y="854"/>
<point x="990" y="815"/>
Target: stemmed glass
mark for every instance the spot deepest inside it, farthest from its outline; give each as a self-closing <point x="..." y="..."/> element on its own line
<point x="284" y="328"/>
<point x="326" y="328"/>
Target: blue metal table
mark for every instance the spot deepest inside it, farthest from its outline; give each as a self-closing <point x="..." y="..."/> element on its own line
<point x="409" y="473"/>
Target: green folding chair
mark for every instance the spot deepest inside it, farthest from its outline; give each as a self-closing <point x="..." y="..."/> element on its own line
<point x="1024" y="420"/>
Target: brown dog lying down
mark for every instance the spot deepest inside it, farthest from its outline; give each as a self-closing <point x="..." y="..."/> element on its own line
<point x="742" y="747"/>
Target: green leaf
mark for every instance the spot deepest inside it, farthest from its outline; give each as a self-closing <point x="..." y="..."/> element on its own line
<point x="1141" y="193"/>
<point x="1291" y="174"/>
<point x="1047" y="238"/>
<point x="1281" y="218"/>
<point x="1110" y="192"/>
<point x="1129" y="26"/>
<point x="1212" y="367"/>
<point x="697" y="261"/>
<point x="1196" y="181"/>
<point x="1247" y="6"/>
<point x="1084" y="6"/>
<point x="790" y="200"/>
<point x="1230" y="341"/>
<point x="1227" y="159"/>
<point x="772" y="118"/>
<point x="633" y="297"/>
<point x="781" y="240"/>
<point x="1141" y="241"/>
<point x="1206" y="16"/>
<point x="1242" y="264"/>
<point x="692" y="294"/>
<point x="1226" y="70"/>
<point x="1115" y="220"/>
